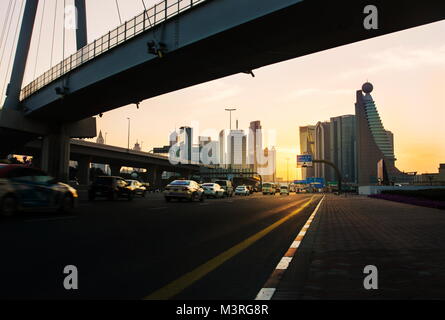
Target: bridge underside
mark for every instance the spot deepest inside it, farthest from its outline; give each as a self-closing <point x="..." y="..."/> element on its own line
<point x="304" y="28"/>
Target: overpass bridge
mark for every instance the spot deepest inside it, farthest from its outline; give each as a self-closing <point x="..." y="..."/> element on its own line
<point x="85" y="153"/>
<point x="174" y="45"/>
<point x="181" y="43"/>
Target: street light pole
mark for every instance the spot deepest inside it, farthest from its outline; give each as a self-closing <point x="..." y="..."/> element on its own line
<point x="128" y="144"/>
<point x="230" y="111"/>
<point x="287" y="160"/>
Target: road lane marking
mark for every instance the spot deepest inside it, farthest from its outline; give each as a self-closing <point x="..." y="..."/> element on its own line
<point x="284" y="263"/>
<point x="178" y="285"/>
<point x="266" y="293"/>
<point x="269" y="289"/>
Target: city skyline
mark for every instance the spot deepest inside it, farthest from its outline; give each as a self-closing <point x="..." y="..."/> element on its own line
<point x="399" y="101"/>
<point x="406" y="66"/>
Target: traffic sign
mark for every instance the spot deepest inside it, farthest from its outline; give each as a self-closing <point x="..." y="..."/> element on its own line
<point x="304" y="161"/>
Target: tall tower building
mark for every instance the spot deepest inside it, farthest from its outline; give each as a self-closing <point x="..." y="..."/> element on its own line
<point x="185" y="140"/>
<point x="237" y="149"/>
<point x="343" y="146"/>
<point x="255" y="144"/>
<point x="307" y="146"/>
<point x="323" y="150"/>
<point x="222" y="149"/>
<point x="375" y="147"/>
<point x="271" y="169"/>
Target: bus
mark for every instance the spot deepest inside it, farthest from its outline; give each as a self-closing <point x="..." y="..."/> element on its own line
<point x="269" y="188"/>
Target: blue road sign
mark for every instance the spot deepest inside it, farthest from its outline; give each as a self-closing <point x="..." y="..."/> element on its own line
<point x="304" y="161"/>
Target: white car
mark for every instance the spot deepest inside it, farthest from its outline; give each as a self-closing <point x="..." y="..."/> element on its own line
<point x="242" y="191"/>
<point x="213" y="190"/>
<point x="284" y="190"/>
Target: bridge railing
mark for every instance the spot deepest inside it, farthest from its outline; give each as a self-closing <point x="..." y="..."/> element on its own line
<point x="131" y="28"/>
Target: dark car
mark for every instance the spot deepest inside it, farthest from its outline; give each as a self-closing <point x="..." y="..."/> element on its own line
<point x="28" y="189"/>
<point x="111" y="188"/>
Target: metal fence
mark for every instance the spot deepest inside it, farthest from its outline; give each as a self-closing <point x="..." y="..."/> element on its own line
<point x="131" y="28"/>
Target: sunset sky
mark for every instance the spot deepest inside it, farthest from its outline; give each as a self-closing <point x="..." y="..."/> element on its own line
<point x="407" y="69"/>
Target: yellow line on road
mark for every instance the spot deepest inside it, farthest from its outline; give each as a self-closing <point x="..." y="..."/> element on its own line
<point x="178" y="285"/>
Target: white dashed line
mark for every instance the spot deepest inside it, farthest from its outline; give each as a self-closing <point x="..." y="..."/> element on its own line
<point x="267" y="292"/>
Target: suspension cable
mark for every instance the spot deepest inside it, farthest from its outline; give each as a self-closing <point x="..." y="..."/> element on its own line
<point x="14" y="44"/>
<point x="54" y="33"/>
<point x="38" y="40"/>
<point x="6" y="22"/>
<point x="118" y="11"/>
<point x="7" y="33"/>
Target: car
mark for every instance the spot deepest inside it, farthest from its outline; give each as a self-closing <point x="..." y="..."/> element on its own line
<point x="184" y="189"/>
<point x="213" y="190"/>
<point x="138" y="188"/>
<point x="242" y="191"/>
<point x="227" y="186"/>
<point x="110" y="187"/>
<point x="284" y="190"/>
<point x="26" y="189"/>
<point x="269" y="188"/>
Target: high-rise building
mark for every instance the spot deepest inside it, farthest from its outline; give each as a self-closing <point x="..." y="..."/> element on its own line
<point x="307" y="146"/>
<point x="323" y="150"/>
<point x="255" y="144"/>
<point x="343" y="146"/>
<point x="185" y="140"/>
<point x="237" y="149"/>
<point x="375" y="147"/>
<point x="222" y="149"/>
<point x="271" y="167"/>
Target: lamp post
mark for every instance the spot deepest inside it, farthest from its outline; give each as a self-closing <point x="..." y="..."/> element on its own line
<point x="230" y="111"/>
<point x="128" y="143"/>
<point x="287" y="160"/>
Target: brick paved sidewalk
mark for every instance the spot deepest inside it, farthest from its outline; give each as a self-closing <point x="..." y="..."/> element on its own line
<point x="406" y="243"/>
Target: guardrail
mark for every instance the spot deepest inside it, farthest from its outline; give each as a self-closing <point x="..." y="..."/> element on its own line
<point x="131" y="28"/>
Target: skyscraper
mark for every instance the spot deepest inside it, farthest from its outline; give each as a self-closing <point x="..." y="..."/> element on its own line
<point x="307" y="146"/>
<point x="237" y="149"/>
<point x="222" y="149"/>
<point x="255" y="144"/>
<point x="343" y="146"/>
<point x="375" y="147"/>
<point x="270" y="169"/>
<point x="323" y="150"/>
<point x="185" y="140"/>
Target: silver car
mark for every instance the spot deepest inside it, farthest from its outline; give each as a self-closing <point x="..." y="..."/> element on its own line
<point x="184" y="189"/>
<point x="28" y="189"/>
<point x="213" y="190"/>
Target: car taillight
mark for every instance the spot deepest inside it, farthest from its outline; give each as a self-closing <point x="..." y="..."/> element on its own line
<point x="167" y="189"/>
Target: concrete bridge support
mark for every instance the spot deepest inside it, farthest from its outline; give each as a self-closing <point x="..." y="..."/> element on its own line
<point x="154" y="177"/>
<point x="83" y="173"/>
<point x="56" y="155"/>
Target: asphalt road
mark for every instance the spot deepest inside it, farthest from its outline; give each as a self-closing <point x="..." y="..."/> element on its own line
<point x="151" y="249"/>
